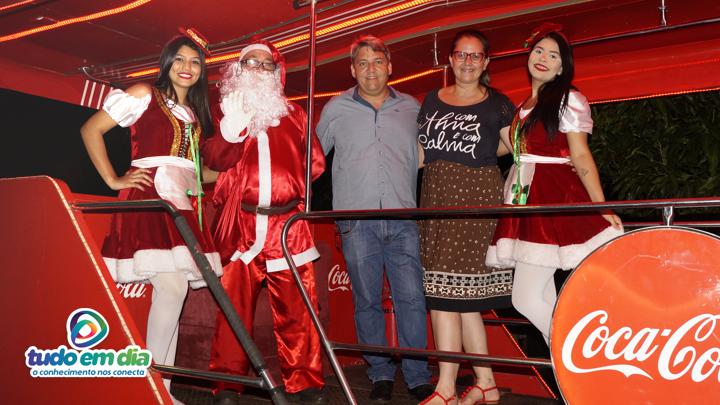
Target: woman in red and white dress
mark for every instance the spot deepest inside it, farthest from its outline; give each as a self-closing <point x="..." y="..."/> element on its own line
<point x="168" y="122"/>
<point x="550" y="129"/>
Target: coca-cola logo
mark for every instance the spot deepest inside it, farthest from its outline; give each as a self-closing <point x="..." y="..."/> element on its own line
<point x="131" y="290"/>
<point x="338" y="279"/>
<point x="627" y="351"/>
<point x="638" y="322"/>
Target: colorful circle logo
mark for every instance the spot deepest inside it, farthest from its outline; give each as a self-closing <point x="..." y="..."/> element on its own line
<point x="86" y="328"/>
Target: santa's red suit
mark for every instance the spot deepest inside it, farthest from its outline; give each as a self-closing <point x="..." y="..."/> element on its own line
<point x="267" y="169"/>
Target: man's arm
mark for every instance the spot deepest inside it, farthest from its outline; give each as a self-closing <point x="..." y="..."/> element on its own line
<point x="323" y="129"/>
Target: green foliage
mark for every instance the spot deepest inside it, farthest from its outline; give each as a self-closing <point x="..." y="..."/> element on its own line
<point x="665" y="147"/>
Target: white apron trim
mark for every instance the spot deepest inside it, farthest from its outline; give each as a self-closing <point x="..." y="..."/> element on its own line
<point x="173" y="178"/>
<point x="527" y="172"/>
<point x="157" y="161"/>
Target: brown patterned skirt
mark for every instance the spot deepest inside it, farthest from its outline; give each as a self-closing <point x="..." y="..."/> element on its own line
<point x="453" y="250"/>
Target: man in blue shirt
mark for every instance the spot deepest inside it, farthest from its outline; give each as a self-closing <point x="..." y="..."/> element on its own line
<point x="373" y="129"/>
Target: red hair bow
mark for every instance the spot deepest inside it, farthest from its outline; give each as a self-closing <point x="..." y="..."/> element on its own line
<point x="540" y="32"/>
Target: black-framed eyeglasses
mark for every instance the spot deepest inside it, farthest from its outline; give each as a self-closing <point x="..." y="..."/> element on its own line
<point x="256" y="64"/>
<point x="474" y="56"/>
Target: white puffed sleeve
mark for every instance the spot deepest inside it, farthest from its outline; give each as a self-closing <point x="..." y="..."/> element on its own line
<point x="124" y="108"/>
<point x="577" y="114"/>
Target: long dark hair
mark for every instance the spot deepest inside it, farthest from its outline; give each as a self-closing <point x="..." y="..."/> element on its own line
<point x="553" y="96"/>
<point x="485" y="77"/>
<point x="197" y="96"/>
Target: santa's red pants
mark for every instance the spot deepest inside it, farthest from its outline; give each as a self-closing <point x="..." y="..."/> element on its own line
<point x="298" y="343"/>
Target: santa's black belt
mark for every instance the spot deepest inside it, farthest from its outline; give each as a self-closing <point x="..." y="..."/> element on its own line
<point x="269" y="210"/>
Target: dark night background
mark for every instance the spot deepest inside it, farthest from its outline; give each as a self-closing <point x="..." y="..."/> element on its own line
<point x="42" y="136"/>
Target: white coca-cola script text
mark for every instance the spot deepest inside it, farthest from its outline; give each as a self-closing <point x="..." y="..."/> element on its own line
<point x="677" y="354"/>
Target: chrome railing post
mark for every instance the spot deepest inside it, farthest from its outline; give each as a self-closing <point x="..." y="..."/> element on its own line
<point x="668" y="213"/>
<point x="327" y="344"/>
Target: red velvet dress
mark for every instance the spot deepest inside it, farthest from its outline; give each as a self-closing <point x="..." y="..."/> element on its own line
<point x="144" y="243"/>
<point x="267" y="169"/>
<point x="559" y="240"/>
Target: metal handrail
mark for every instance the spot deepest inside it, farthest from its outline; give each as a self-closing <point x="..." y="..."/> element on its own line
<point x="691" y="224"/>
<point x="440" y="354"/>
<point x="494" y="210"/>
<point x="265" y="379"/>
<point x="667" y="205"/>
<point x="210" y="375"/>
<point x="506" y="321"/>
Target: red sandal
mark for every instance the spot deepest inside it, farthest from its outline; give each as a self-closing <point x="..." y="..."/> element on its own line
<point x="483" y="391"/>
<point x="439" y="395"/>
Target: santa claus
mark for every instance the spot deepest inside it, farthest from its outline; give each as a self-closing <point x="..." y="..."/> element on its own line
<point x="261" y="152"/>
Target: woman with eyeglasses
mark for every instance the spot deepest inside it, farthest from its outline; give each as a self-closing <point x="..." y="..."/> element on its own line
<point x="169" y="121"/>
<point x="459" y="134"/>
<point x="550" y="129"/>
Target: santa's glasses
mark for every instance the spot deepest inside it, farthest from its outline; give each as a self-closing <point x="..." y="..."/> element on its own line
<point x="256" y="64"/>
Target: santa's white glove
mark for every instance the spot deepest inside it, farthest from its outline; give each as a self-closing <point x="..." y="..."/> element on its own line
<point x="235" y="118"/>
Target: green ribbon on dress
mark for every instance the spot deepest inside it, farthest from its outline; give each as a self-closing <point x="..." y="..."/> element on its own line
<point x="194" y="141"/>
<point x="520" y="192"/>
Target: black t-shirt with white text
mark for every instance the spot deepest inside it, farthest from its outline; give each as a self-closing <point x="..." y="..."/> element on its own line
<point x="463" y="134"/>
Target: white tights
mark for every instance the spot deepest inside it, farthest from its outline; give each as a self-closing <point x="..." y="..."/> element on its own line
<point x="169" y="292"/>
<point x="534" y="295"/>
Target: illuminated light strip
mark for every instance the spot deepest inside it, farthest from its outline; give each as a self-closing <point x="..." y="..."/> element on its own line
<point x="214" y="59"/>
<point x="352" y="21"/>
<point x="415" y="76"/>
<point x="18" y="4"/>
<point x="319" y="95"/>
<point x="143" y="72"/>
<point x="305" y="37"/>
<point x="522" y="353"/>
<point x="75" y="20"/>
<point x="655" y="68"/>
<point x="400" y="80"/>
<point x="670" y="93"/>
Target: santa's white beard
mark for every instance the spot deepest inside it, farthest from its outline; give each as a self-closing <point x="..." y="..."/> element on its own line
<point x="262" y="92"/>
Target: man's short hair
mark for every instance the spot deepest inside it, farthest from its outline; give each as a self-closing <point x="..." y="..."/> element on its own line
<point x="374" y="43"/>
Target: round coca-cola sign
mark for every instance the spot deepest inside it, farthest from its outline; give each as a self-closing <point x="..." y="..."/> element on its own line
<point x="638" y="321"/>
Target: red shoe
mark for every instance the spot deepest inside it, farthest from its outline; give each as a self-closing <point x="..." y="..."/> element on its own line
<point x="439" y="395"/>
<point x="483" y="391"/>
